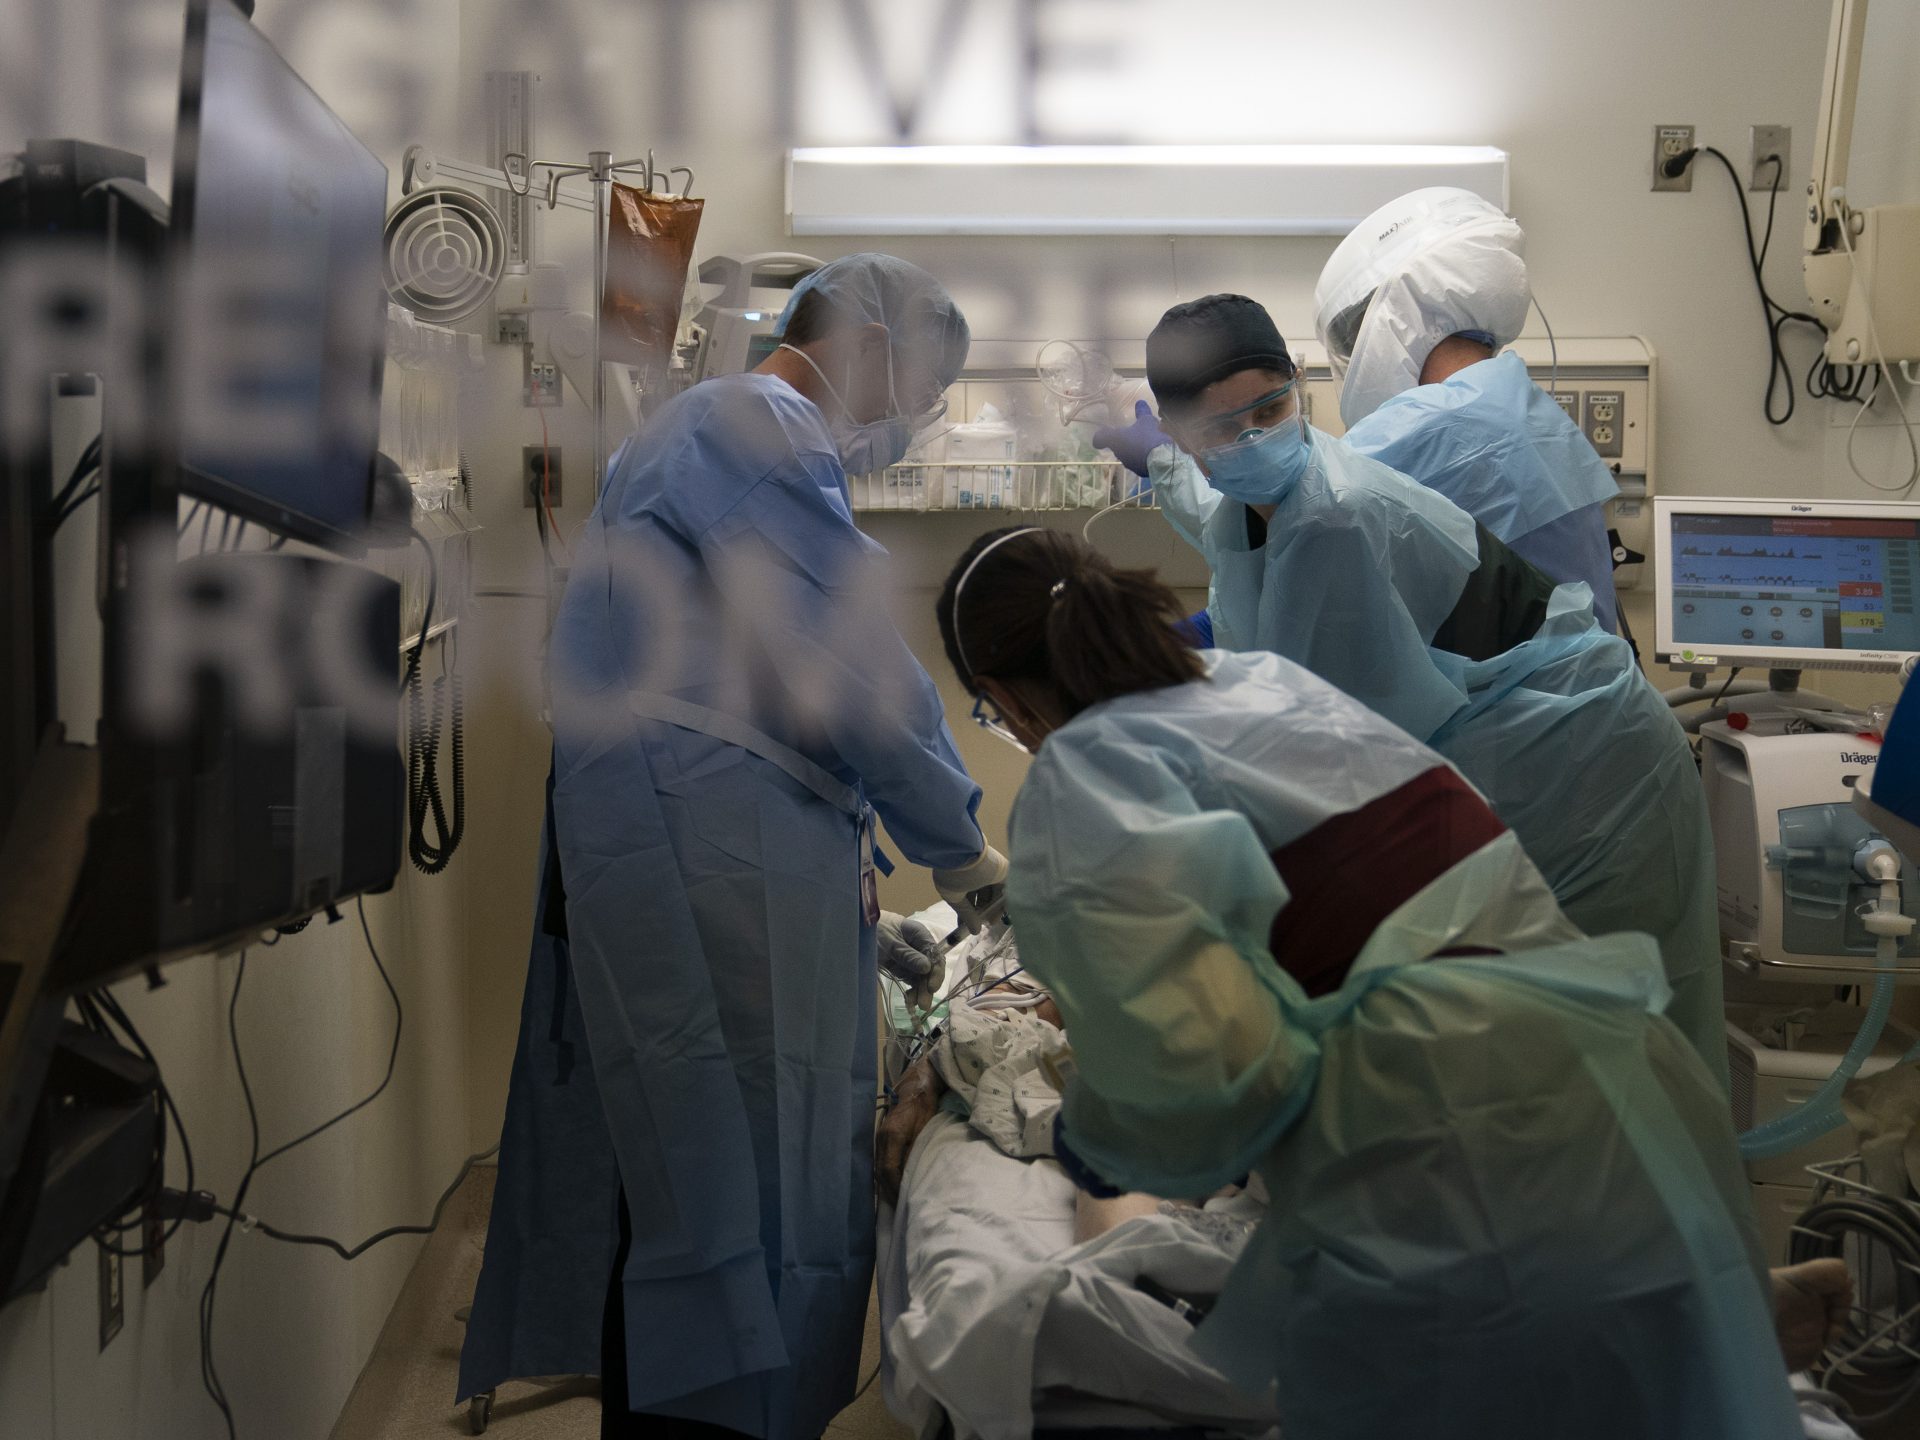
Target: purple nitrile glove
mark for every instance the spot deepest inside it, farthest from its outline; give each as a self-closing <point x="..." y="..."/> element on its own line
<point x="1132" y="444"/>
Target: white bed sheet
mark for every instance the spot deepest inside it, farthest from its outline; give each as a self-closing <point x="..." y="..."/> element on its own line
<point x="994" y="1319"/>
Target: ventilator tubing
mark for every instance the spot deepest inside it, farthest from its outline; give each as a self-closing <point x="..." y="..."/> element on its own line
<point x="1820" y="1114"/>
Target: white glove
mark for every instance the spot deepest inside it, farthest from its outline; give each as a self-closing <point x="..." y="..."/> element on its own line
<point x="912" y="955"/>
<point x="974" y="889"/>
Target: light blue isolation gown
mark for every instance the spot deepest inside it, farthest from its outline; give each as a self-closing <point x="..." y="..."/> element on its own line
<point x="1562" y="734"/>
<point x="1505" y="1194"/>
<point x="729" y="695"/>
<point x="1493" y="442"/>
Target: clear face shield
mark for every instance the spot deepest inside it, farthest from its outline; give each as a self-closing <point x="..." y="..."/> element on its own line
<point x="1343" y="332"/>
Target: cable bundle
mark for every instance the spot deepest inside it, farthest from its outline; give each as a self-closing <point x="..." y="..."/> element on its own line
<point x="1879" y="1358"/>
<point x="423" y="747"/>
<point x="430" y="856"/>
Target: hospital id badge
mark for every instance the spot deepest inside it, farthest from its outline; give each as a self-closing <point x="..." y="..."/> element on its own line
<point x="869" y="876"/>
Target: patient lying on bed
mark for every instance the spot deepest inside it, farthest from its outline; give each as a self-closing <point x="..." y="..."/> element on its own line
<point x="1010" y="1303"/>
<point x="995" y="1059"/>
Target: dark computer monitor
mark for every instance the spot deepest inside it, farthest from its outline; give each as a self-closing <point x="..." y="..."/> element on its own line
<point x="278" y="216"/>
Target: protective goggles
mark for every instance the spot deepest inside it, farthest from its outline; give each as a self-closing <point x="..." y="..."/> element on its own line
<point x="1225" y="428"/>
<point x="987" y="715"/>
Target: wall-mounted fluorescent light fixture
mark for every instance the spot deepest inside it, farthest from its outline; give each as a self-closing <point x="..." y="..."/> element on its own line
<point x="1119" y="189"/>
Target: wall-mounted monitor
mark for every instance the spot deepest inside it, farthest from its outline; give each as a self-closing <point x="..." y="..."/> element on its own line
<point x="280" y="316"/>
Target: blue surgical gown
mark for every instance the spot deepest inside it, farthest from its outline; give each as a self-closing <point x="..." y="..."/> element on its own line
<point x="1493" y="442"/>
<point x="1562" y="734"/>
<point x="725" y="980"/>
<point x="1506" y="1199"/>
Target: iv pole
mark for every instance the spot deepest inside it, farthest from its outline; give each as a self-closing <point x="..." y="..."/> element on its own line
<point x="422" y="167"/>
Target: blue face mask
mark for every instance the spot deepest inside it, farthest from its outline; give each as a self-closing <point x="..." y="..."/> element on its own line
<point x="870" y="448"/>
<point x="1262" y="466"/>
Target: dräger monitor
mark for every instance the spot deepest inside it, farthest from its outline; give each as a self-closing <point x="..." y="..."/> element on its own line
<point x="1786" y="585"/>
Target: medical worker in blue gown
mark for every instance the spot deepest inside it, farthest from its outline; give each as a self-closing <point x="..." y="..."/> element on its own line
<point x="1415" y="309"/>
<point x="731" y="708"/>
<point x="1393" y="593"/>
<point x="1287" y="939"/>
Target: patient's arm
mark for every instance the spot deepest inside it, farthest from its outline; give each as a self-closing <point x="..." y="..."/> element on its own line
<point x="917" y="1099"/>
<point x="1093" y="1217"/>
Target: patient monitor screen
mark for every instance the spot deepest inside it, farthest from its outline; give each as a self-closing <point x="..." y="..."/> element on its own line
<point x="1795" y="580"/>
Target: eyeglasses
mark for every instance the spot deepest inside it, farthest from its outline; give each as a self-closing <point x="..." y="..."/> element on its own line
<point x="1225" y="428"/>
<point x="987" y="715"/>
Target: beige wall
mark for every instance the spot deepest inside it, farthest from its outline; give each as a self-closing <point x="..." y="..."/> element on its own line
<point x="1571" y="91"/>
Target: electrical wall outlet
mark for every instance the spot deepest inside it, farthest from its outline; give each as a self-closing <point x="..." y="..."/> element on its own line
<point x="534" y="459"/>
<point x="540" y="379"/>
<point x="1603" y="417"/>
<point x="1768" y="141"/>
<point x="510" y="328"/>
<point x="1669" y="141"/>
<point x="113" y="1300"/>
<point x="1569" y="401"/>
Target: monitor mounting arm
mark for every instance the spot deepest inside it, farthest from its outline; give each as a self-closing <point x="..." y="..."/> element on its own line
<point x="1862" y="265"/>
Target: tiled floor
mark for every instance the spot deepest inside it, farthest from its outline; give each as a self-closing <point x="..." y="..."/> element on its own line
<point x="402" y="1393"/>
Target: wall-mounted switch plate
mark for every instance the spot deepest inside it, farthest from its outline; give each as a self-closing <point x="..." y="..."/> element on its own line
<point x="1767" y="142"/>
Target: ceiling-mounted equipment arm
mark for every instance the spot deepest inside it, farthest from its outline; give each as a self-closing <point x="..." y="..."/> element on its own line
<point x="1833" y="132"/>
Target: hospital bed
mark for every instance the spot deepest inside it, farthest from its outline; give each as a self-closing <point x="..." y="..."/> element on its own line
<point x="995" y="1323"/>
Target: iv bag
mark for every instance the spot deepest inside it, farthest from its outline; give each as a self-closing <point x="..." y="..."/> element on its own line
<point x="649" y="243"/>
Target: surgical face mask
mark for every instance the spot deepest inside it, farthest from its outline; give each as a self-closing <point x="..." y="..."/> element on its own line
<point x="872" y="447"/>
<point x="1264" y="464"/>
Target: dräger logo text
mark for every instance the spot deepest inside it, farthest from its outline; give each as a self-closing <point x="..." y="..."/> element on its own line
<point x="1856" y="757"/>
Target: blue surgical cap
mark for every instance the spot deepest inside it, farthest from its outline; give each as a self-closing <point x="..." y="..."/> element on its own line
<point x="926" y="326"/>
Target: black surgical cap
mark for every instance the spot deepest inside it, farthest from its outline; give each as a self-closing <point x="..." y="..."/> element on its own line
<point x="1204" y="340"/>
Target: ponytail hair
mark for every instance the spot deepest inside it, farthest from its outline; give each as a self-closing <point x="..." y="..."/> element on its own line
<point x="1041" y="605"/>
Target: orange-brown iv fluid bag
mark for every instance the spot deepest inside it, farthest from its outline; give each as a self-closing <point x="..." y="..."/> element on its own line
<point x="649" y="244"/>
